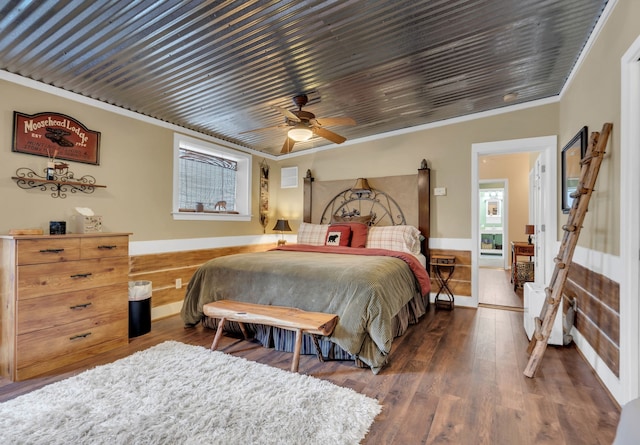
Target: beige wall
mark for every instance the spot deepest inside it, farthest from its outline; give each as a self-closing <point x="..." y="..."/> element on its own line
<point x="592" y="99"/>
<point x="448" y="150"/>
<point x="135" y="164"/>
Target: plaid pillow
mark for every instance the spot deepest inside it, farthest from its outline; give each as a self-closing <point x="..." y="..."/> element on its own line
<point x="398" y="238"/>
<point x="312" y="234"/>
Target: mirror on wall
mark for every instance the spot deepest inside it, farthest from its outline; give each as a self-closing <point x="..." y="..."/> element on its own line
<point x="572" y="154"/>
<point x="493" y="208"/>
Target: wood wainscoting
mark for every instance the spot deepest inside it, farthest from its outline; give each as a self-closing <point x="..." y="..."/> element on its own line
<point x="460" y="283"/>
<point x="598" y="315"/>
<point x="163" y="269"/>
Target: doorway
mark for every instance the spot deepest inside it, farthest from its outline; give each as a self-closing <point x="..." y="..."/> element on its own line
<point x="547" y="149"/>
<point x="503" y="182"/>
<point x="493" y="213"/>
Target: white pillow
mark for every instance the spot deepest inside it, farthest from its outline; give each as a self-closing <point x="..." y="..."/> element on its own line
<point x="313" y="234"/>
<point x="398" y="238"/>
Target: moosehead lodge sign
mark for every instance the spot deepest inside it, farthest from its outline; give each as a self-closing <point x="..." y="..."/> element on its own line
<point x="55" y="136"/>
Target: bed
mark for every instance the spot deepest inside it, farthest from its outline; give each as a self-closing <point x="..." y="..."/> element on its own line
<point x="360" y="260"/>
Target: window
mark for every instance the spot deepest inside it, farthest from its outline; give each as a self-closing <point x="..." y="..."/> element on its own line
<point x="210" y="182"/>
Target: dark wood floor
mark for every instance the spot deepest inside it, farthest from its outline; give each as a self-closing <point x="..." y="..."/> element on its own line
<point x="496" y="289"/>
<point x="454" y="378"/>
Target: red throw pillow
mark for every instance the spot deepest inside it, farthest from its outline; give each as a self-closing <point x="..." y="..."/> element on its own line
<point x="359" y="233"/>
<point x="338" y="235"/>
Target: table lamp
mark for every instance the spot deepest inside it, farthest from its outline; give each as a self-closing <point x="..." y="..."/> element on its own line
<point x="529" y="230"/>
<point x="282" y="225"/>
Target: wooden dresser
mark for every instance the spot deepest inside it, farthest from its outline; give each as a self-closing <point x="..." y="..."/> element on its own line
<point x="64" y="298"/>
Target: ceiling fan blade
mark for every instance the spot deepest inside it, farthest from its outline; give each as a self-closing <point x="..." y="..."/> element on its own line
<point x="330" y="135"/>
<point x="288" y="114"/>
<point x="287" y="146"/>
<point x="257" y="130"/>
<point x="329" y="121"/>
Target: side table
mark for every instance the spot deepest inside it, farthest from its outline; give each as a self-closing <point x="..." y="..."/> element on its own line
<point x="521" y="271"/>
<point x="443" y="267"/>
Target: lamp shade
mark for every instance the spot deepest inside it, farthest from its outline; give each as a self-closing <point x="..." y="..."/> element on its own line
<point x="300" y="133"/>
<point x="282" y="225"/>
<point x="529" y="229"/>
<point x="361" y="185"/>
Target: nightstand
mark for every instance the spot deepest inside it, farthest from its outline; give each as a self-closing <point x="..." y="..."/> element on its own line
<point x="443" y="267"/>
<point x="522" y="271"/>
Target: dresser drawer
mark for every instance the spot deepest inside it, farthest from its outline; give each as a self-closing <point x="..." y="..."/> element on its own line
<point x="38" y="280"/>
<point x="60" y="309"/>
<point x="104" y="247"/>
<point x="48" y="349"/>
<point x="527" y="250"/>
<point x="47" y="250"/>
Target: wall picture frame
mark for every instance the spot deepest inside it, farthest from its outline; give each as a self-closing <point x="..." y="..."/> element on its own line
<point x="571" y="155"/>
<point x="55" y="136"/>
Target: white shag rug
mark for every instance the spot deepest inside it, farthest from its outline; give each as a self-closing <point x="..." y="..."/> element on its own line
<point x="174" y="393"/>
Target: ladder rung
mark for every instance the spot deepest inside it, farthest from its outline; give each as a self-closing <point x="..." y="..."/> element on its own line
<point x="593" y="154"/>
<point x="551" y="301"/>
<point x="559" y="263"/>
<point x="570" y="228"/>
<point x="579" y="192"/>
<point x="537" y="333"/>
<point x="589" y="157"/>
<point x="548" y="291"/>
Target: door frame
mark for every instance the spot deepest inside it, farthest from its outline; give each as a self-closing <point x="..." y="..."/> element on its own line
<point x="629" y="223"/>
<point x="548" y="146"/>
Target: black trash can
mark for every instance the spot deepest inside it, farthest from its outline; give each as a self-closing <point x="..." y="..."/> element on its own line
<point x="139" y="308"/>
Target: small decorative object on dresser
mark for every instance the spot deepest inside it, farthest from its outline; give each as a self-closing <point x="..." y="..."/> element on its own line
<point x="87" y="221"/>
<point x="63" y="299"/>
<point x="57" y="227"/>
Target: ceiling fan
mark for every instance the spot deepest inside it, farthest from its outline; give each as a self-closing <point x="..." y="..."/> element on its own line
<point x="305" y="124"/>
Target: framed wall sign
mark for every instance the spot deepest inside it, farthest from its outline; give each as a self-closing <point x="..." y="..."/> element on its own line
<point x="55" y="136"/>
<point x="572" y="154"/>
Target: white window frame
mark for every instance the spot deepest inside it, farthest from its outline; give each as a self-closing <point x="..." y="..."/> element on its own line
<point x="243" y="179"/>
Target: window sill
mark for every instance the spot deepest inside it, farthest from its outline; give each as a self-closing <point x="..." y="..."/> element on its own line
<point x="210" y="216"/>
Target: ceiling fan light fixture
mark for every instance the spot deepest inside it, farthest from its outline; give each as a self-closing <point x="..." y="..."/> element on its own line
<point x="510" y="97"/>
<point x="300" y="133"/>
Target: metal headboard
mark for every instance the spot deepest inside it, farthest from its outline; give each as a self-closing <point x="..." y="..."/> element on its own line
<point x="347" y="199"/>
<point x="382" y="208"/>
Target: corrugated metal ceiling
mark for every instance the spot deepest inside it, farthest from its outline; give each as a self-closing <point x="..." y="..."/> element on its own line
<point x="219" y="67"/>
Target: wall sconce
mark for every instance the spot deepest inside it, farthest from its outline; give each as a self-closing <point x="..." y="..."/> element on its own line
<point x="300" y="133"/>
<point x="361" y="186"/>
<point x="282" y="225"/>
<point x="529" y="230"/>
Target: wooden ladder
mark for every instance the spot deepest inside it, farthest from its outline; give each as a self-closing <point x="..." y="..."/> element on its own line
<point x="582" y="195"/>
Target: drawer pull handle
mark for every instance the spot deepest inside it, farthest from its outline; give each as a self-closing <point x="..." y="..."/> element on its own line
<point x="81" y="275"/>
<point x="80" y="306"/>
<point x="107" y="247"/>
<point x="51" y="250"/>
<point x="79" y="336"/>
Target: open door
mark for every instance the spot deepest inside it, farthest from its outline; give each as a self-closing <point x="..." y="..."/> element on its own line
<point x="537" y="218"/>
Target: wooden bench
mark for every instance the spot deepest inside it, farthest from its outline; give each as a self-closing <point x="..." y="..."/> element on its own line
<point x="302" y="322"/>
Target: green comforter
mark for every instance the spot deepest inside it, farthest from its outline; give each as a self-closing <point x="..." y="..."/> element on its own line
<point x="365" y="291"/>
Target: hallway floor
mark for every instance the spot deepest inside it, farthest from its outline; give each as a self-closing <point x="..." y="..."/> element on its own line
<point x="496" y="289"/>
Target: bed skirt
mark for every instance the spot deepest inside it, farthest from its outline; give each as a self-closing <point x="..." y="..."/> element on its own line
<point x="284" y="340"/>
